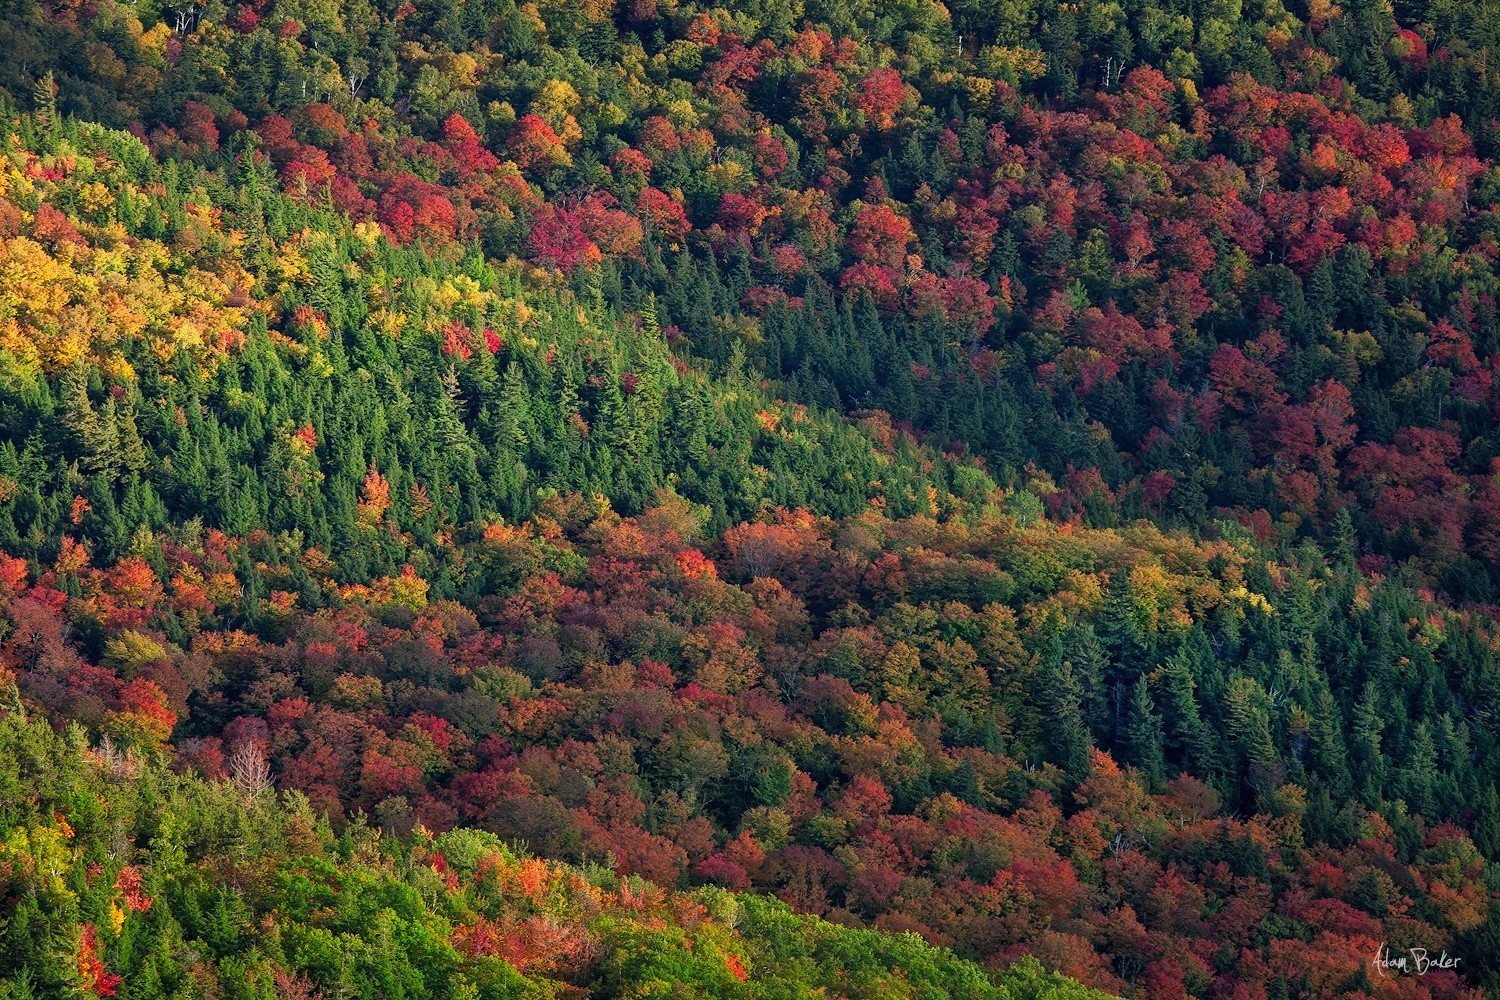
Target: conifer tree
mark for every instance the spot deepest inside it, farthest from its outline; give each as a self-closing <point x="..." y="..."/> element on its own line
<point x="1065" y="735"/>
<point x="1143" y="738"/>
<point x="44" y="100"/>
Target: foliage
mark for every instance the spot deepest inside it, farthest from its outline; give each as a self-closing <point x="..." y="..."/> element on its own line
<point x="485" y="486"/>
<point x="115" y="874"/>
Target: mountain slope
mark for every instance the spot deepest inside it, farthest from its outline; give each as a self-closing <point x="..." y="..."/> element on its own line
<point x="391" y="412"/>
<point x="192" y="346"/>
<point x="191" y="888"/>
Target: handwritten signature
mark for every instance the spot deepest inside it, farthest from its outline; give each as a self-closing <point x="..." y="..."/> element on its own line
<point x="1418" y="960"/>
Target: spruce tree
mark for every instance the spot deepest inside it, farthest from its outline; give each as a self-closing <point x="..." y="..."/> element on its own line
<point x="1065" y="736"/>
<point x="1143" y="738"/>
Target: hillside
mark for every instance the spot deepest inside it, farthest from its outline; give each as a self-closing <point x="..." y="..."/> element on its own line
<point x="782" y="499"/>
<point x="195" y="346"/>
<point x="192" y="888"/>
<point x="1181" y="261"/>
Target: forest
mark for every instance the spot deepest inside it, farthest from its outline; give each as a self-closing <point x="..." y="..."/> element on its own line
<point x="789" y="499"/>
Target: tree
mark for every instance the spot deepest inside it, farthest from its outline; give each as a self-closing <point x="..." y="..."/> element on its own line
<point x="880" y="237"/>
<point x="1143" y="737"/>
<point x="1064" y="735"/>
<point x="249" y="770"/>
<point x="44" y="100"/>
<point x="1186" y="735"/>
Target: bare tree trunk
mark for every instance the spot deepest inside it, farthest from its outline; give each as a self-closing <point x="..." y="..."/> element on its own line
<point x="249" y="770"/>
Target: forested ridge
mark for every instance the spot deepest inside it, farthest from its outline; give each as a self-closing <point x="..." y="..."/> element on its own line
<point x="490" y="495"/>
<point x="124" y="860"/>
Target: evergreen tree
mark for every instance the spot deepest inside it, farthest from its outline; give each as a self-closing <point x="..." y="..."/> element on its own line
<point x="1143" y="739"/>
<point x="1064" y="734"/>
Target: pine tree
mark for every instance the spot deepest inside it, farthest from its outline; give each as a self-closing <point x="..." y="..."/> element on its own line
<point x="1249" y="730"/>
<point x="133" y="455"/>
<point x="1345" y="540"/>
<point x="649" y="321"/>
<point x="448" y="425"/>
<point x="1248" y="723"/>
<point x="1486" y="826"/>
<point x="1090" y="663"/>
<point x="515" y="409"/>
<point x="1143" y="738"/>
<point x="1065" y="736"/>
<point x="96" y="434"/>
<point x="1365" y="745"/>
<point x="1129" y="649"/>
<point x="1329" y="757"/>
<point x="1419" y="777"/>
<point x="44" y="98"/>
<point x="1186" y="736"/>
